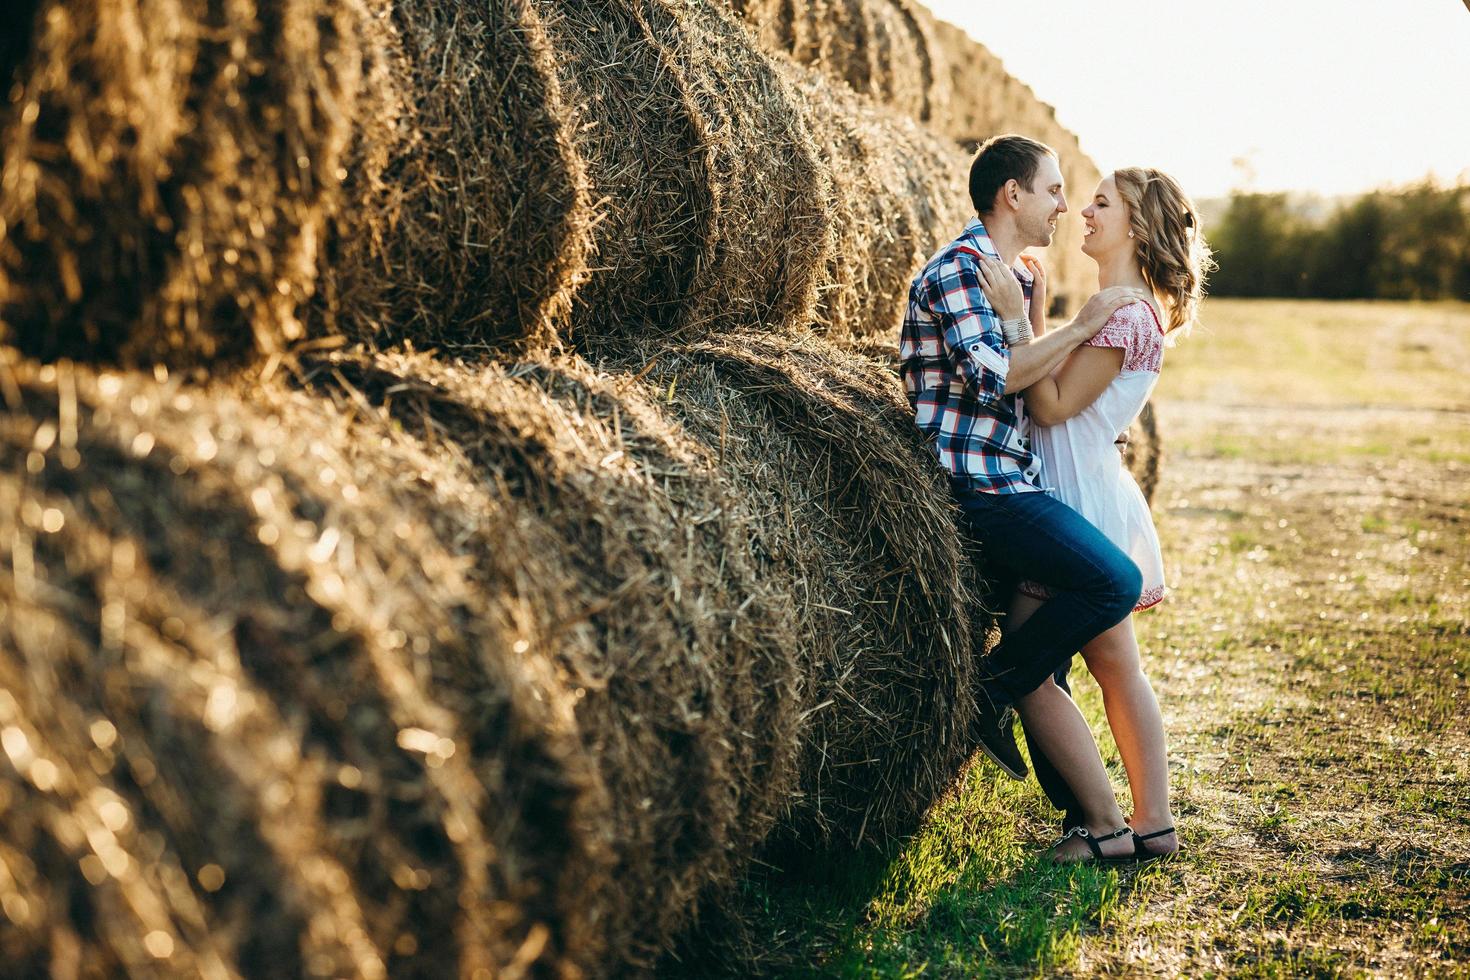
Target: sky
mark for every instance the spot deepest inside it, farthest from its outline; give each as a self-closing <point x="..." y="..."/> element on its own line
<point x="1325" y="96"/>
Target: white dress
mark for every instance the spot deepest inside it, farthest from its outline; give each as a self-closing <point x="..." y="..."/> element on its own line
<point x="1081" y="465"/>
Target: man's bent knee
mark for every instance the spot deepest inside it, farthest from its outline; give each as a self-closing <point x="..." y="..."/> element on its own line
<point x="1125" y="585"/>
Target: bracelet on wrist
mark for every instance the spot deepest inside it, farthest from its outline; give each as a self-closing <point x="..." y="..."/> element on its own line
<point x="1016" y="331"/>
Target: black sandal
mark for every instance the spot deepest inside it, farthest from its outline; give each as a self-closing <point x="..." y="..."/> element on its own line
<point x="1094" y="845"/>
<point x="1141" y="853"/>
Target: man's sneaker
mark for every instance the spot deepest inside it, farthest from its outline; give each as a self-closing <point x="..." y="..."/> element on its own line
<point x="993" y="729"/>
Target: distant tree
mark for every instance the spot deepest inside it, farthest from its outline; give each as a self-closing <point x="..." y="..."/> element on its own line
<point x="1425" y="251"/>
<point x="1408" y="244"/>
<point x="1346" y="259"/>
<point x="1257" y="242"/>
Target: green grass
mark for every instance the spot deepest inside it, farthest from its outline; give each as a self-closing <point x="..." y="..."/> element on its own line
<point x="1255" y="352"/>
<point x="969" y="895"/>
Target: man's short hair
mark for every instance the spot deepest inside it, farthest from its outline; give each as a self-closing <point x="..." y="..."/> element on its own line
<point x="1003" y="158"/>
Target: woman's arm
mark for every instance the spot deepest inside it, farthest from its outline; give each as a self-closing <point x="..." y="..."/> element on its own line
<point x="1076" y="384"/>
<point x="1031" y="363"/>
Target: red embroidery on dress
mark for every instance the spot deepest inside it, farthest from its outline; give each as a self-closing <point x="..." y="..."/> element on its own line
<point x="1135" y="330"/>
<point x="1034" y="589"/>
<point x="1150" y="598"/>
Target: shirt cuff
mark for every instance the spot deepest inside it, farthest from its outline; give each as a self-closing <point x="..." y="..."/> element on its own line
<point x="987" y="358"/>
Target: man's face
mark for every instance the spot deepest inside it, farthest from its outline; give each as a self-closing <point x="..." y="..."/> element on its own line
<point x="1041" y="204"/>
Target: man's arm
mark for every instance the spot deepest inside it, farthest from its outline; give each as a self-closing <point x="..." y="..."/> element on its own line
<point x="972" y="335"/>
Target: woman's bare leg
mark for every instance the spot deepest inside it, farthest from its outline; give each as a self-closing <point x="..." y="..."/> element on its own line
<point x="1057" y="726"/>
<point x="1138" y="728"/>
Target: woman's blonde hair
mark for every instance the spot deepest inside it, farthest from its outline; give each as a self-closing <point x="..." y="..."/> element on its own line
<point x="1171" y="250"/>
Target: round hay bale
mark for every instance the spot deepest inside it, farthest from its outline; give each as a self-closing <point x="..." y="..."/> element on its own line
<point x="934" y="84"/>
<point x="858" y="524"/>
<point x="897" y="194"/>
<point x="167" y="168"/>
<point x="710" y="212"/>
<point x="257" y="719"/>
<point x="736" y="191"/>
<point x="637" y="568"/>
<point x="1145" y="453"/>
<point x="465" y="206"/>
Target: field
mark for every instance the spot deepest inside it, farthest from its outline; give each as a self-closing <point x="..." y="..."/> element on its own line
<point x="1312" y="664"/>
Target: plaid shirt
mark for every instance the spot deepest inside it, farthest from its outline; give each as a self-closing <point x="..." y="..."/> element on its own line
<point x="954" y="364"/>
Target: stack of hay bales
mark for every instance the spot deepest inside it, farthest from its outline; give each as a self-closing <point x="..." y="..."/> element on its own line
<point x="380" y="662"/>
<point x="437" y="667"/>
<point x="493" y="177"/>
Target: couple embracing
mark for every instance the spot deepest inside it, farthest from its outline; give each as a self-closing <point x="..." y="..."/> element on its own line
<point x="1024" y="418"/>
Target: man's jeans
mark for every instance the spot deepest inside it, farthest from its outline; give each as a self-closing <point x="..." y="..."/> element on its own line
<point x="1094" y="585"/>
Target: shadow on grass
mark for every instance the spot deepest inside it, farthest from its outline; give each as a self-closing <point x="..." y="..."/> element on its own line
<point x="971" y="893"/>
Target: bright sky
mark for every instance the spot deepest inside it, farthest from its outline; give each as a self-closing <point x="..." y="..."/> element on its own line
<point x="1332" y="96"/>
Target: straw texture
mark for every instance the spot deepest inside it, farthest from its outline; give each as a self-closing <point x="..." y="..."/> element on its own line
<point x="166" y="173"/>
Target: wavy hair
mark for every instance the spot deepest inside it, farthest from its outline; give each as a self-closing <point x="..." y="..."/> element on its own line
<point x="1174" y="256"/>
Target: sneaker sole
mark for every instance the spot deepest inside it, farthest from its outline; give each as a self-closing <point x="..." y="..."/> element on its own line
<point x="1018" y="776"/>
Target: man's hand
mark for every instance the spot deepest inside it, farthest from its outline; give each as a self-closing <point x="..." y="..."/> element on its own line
<point x="1094" y="314"/>
<point x="1002" y="289"/>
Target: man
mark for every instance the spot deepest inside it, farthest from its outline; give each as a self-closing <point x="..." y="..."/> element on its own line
<point x="962" y="380"/>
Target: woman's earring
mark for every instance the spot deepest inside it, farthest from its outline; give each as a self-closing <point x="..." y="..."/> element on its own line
<point x="1130" y="234"/>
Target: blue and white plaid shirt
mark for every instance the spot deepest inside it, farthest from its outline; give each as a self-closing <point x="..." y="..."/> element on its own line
<point x="954" y="364"/>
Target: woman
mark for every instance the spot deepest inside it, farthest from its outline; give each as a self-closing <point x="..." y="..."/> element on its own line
<point x="1142" y="231"/>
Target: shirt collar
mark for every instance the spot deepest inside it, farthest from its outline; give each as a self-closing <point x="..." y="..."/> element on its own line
<point x="975" y="231"/>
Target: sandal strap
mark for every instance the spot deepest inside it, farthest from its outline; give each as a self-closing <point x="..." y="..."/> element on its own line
<point x="1157" y="833"/>
<point x="1094" y="842"/>
<point x="1143" y="852"/>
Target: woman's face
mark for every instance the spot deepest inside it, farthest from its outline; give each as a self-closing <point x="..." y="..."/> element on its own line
<point x="1105" y="221"/>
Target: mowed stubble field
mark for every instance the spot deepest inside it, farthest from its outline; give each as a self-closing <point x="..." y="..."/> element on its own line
<point x="1312" y="665"/>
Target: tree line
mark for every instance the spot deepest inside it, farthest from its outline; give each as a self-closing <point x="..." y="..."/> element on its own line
<point x="1409" y="243"/>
